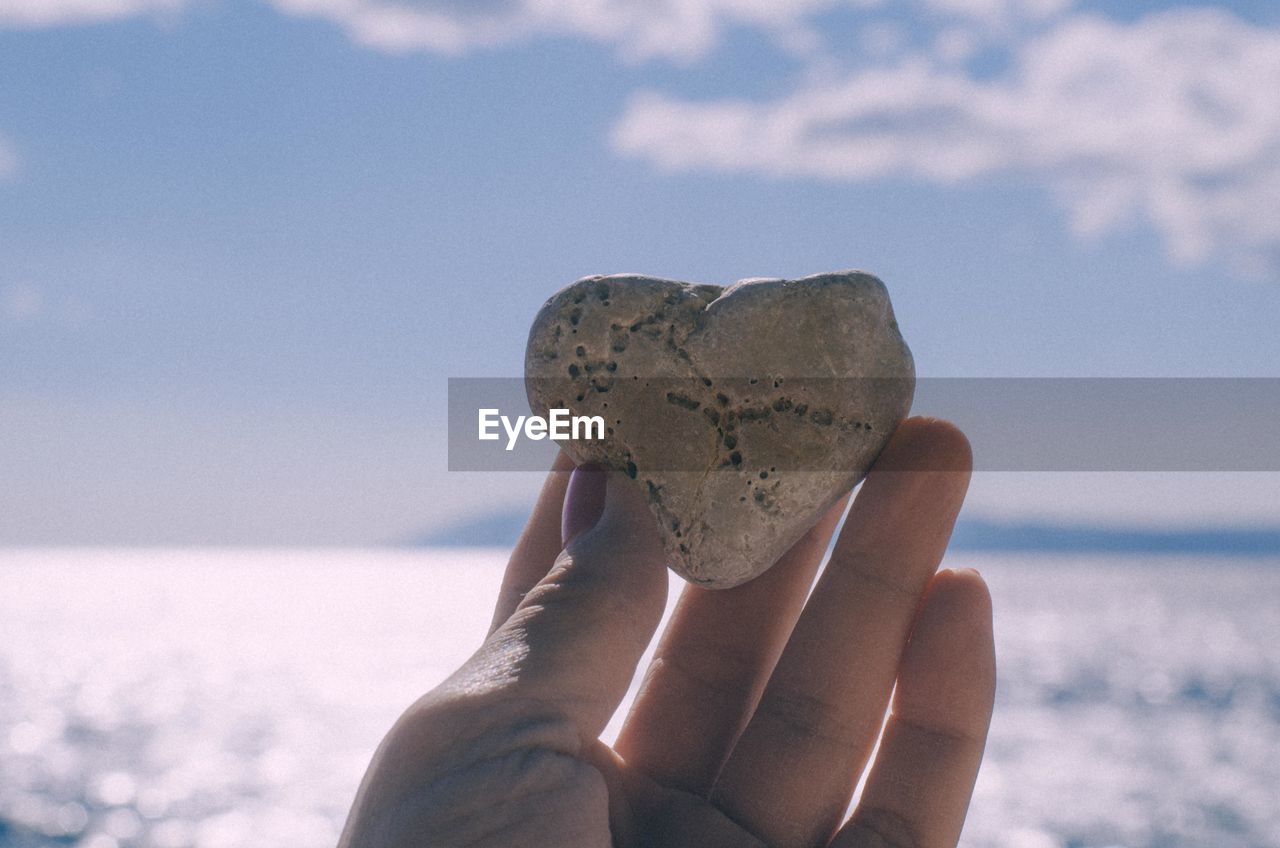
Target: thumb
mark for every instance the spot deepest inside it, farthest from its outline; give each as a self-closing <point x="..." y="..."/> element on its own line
<point x="576" y="638"/>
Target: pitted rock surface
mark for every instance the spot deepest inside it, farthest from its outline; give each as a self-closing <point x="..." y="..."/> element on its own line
<point x="743" y="413"/>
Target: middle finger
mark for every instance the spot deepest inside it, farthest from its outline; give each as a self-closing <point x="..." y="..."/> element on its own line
<point x="711" y="665"/>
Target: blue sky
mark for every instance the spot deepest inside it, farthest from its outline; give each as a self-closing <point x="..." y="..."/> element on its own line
<point x="243" y="245"/>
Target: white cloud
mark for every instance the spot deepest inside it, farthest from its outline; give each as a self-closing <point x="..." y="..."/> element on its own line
<point x="1174" y="119"/>
<point x="45" y="13"/>
<point x="999" y="12"/>
<point x="638" y="29"/>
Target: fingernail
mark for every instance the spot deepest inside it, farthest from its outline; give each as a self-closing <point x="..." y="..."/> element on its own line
<point x="583" y="501"/>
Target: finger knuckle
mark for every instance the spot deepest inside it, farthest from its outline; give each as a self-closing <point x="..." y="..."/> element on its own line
<point x="805" y="715"/>
<point x="508" y="799"/>
<point x="879" y="827"/>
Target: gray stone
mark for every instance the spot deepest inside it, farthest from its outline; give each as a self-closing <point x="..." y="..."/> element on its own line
<point x="743" y="412"/>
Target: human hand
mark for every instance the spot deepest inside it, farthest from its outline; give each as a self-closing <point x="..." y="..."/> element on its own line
<point x="762" y="705"/>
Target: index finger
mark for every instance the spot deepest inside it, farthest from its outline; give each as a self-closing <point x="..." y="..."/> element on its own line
<point x="539" y="544"/>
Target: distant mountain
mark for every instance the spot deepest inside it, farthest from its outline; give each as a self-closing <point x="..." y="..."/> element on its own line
<point x="983" y="535"/>
<point x="502" y="529"/>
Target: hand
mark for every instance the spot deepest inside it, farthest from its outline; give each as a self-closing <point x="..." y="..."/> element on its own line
<point x="760" y="710"/>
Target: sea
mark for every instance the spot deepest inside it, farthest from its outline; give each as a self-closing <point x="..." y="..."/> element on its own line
<point x="219" y="698"/>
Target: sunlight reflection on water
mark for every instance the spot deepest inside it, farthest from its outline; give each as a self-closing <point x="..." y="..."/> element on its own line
<point x="230" y="698"/>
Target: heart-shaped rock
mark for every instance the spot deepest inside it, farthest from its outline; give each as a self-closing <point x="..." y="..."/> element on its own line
<point x="743" y="413"/>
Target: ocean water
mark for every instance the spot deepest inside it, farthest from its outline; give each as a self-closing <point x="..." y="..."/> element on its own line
<point x="232" y="698"/>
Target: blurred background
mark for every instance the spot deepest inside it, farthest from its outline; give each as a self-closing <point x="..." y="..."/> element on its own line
<point x="243" y="245"/>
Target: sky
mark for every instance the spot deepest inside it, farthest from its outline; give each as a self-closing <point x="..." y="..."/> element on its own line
<point x="243" y="245"/>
